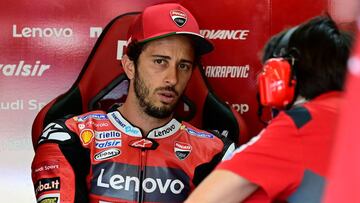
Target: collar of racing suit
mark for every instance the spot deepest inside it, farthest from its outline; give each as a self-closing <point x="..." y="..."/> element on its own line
<point x="157" y="133"/>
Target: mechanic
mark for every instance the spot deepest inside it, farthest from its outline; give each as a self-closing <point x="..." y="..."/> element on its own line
<point x="288" y="160"/>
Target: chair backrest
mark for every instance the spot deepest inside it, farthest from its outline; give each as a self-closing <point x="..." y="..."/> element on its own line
<point x="102" y="83"/>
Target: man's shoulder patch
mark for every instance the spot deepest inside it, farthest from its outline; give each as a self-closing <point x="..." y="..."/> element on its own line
<point x="196" y="132"/>
<point x="300" y="115"/>
<point x="54" y="132"/>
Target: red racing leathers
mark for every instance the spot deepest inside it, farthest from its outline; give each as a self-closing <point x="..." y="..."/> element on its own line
<point x="100" y="157"/>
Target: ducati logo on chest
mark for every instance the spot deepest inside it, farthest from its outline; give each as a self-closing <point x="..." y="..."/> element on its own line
<point x="179" y="17"/>
<point x="182" y="150"/>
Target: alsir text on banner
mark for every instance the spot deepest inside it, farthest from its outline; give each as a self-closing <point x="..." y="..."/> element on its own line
<point x="24" y="69"/>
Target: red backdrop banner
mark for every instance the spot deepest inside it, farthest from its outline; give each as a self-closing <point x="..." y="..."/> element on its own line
<point x="44" y="45"/>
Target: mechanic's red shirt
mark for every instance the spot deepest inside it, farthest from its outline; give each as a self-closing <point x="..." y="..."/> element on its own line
<point x="293" y="150"/>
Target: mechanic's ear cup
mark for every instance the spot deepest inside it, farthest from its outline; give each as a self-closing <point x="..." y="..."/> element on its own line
<point x="276" y="83"/>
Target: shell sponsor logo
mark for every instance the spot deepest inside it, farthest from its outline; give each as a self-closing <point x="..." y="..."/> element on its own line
<point x="86" y="136"/>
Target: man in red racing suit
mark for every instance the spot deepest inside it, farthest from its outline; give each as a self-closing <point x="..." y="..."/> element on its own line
<point x="137" y="152"/>
<point x="105" y="156"/>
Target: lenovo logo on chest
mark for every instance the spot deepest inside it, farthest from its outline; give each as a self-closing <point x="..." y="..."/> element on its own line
<point x="148" y="185"/>
<point x="159" y="184"/>
<point x="27" y="32"/>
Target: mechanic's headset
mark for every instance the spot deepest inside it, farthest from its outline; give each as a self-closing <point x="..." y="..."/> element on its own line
<point x="277" y="80"/>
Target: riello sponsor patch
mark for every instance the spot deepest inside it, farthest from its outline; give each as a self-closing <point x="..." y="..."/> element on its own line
<point x="47" y="184"/>
<point x="103" y="135"/>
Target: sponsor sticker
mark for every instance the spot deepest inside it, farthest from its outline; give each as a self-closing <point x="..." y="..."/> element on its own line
<point x="81" y="126"/>
<point x="97" y="124"/>
<point x="93" y="116"/>
<point x="46" y="166"/>
<point x="107" y="154"/>
<point x="182" y="150"/>
<point x="118" y="180"/>
<point x="49" y="198"/>
<point x="164" y="132"/>
<point x="199" y="134"/>
<point x="179" y="17"/>
<point x="86" y="136"/>
<point x="47" y="184"/>
<point x="107" y="144"/>
<point x="104" y="135"/>
<point x="125" y="126"/>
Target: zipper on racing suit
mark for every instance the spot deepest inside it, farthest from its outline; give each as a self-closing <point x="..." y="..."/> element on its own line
<point x="144" y="144"/>
<point x="143" y="153"/>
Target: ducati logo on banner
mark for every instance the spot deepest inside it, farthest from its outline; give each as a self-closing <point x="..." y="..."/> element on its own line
<point x="144" y="143"/>
<point x="182" y="150"/>
<point x="86" y="136"/>
<point x="179" y="17"/>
